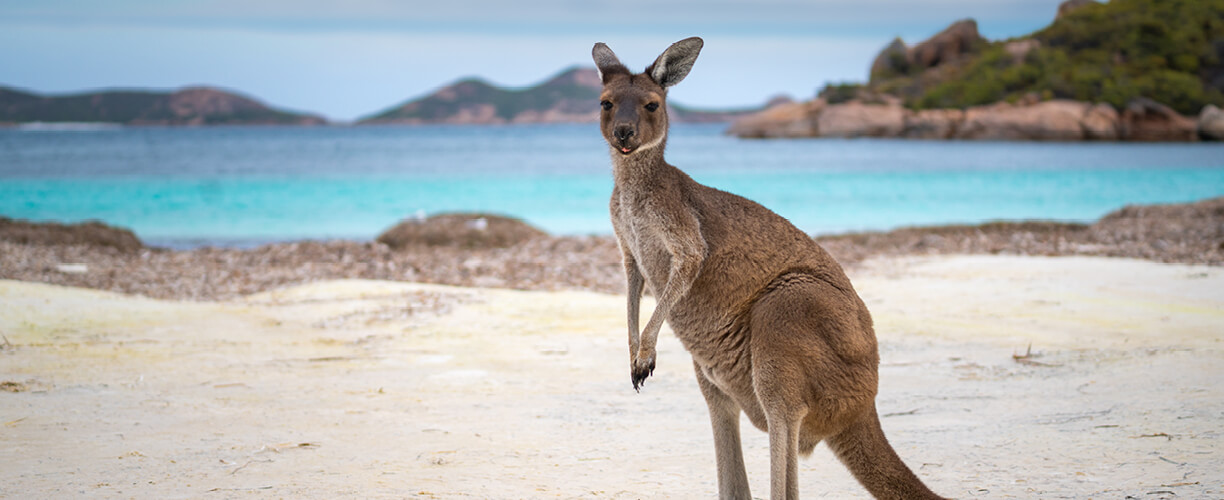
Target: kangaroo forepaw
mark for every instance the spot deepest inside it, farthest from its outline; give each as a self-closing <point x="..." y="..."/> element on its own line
<point x="641" y="369"/>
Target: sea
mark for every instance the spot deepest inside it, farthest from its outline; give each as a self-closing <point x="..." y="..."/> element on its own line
<point x="245" y="186"/>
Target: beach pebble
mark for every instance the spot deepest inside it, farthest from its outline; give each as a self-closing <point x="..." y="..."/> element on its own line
<point x="72" y="268"/>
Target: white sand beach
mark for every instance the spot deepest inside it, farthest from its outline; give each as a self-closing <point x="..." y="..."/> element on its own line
<point x="371" y="389"/>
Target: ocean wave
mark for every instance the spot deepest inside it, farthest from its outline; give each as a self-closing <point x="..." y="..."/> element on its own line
<point x="68" y="126"/>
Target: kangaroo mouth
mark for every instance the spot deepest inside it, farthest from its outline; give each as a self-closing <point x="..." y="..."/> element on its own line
<point x="624" y="147"/>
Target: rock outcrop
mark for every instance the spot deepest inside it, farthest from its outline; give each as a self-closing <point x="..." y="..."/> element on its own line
<point x="893" y="60"/>
<point x="1057" y="120"/>
<point x="90" y="234"/>
<point x="1029" y="120"/>
<point x="949" y="45"/>
<point x="954" y="56"/>
<point x="1147" y="120"/>
<point x="1071" y="5"/>
<point x="1211" y="123"/>
<point x="461" y="230"/>
<point x="1100" y="123"/>
<point x="857" y="119"/>
<point x="933" y="123"/>
<point x="782" y="120"/>
<point x="1026" y="79"/>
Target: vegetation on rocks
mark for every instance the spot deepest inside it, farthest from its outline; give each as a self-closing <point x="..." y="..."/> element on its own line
<point x="1170" y="51"/>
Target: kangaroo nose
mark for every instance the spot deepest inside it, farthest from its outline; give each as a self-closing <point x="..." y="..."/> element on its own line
<point x="623" y="133"/>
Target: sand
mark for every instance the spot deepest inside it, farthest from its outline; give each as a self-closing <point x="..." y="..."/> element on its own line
<point x="374" y="389"/>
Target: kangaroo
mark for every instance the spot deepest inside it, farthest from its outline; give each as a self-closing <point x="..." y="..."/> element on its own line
<point x="774" y="327"/>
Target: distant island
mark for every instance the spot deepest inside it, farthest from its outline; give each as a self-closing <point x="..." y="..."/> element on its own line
<point x="1129" y="70"/>
<point x="188" y="106"/>
<point x="1122" y="70"/>
<point x="570" y="97"/>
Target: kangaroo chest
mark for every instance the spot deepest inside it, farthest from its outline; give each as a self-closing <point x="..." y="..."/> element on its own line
<point x="642" y="236"/>
<point x="699" y="319"/>
<point x="705" y="319"/>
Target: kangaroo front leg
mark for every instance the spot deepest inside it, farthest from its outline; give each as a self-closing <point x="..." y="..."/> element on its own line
<point x="686" y="259"/>
<point x="728" y="452"/>
<point x="634" y="284"/>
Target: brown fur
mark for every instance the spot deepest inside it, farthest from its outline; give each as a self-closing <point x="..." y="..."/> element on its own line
<point x="775" y="329"/>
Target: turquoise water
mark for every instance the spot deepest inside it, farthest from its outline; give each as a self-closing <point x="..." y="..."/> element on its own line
<point x="245" y="185"/>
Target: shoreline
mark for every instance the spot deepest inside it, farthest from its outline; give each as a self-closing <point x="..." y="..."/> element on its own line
<point x="1191" y="233"/>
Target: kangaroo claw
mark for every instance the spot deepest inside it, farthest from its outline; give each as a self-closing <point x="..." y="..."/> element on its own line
<point x="640" y="371"/>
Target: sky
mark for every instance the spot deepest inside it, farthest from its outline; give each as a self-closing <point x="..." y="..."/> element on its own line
<point x="348" y="59"/>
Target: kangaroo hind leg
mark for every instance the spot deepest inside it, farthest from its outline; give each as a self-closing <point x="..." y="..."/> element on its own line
<point x="728" y="451"/>
<point x="783" y="457"/>
<point x="812" y="369"/>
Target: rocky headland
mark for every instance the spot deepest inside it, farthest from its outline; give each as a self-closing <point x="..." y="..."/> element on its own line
<point x="1077" y="80"/>
<point x="1029" y="119"/>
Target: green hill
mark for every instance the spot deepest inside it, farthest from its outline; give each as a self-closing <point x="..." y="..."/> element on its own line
<point x="568" y="96"/>
<point x="189" y="106"/>
<point x="571" y="96"/>
<point x="1171" y="51"/>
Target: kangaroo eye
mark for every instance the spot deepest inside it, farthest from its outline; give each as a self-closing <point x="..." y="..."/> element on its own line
<point x="651" y="107"/>
<point x="606" y="104"/>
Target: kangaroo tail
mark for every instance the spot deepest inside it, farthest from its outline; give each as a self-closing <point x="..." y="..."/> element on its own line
<point x="864" y="450"/>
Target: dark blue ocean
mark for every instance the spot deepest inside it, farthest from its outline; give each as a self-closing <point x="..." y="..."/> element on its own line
<point x="185" y="187"/>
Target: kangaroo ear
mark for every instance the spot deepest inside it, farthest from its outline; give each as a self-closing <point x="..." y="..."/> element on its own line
<point x="675" y="62"/>
<point x="606" y="62"/>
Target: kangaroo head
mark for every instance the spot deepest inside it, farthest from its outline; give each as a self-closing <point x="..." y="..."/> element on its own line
<point x="634" y="115"/>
